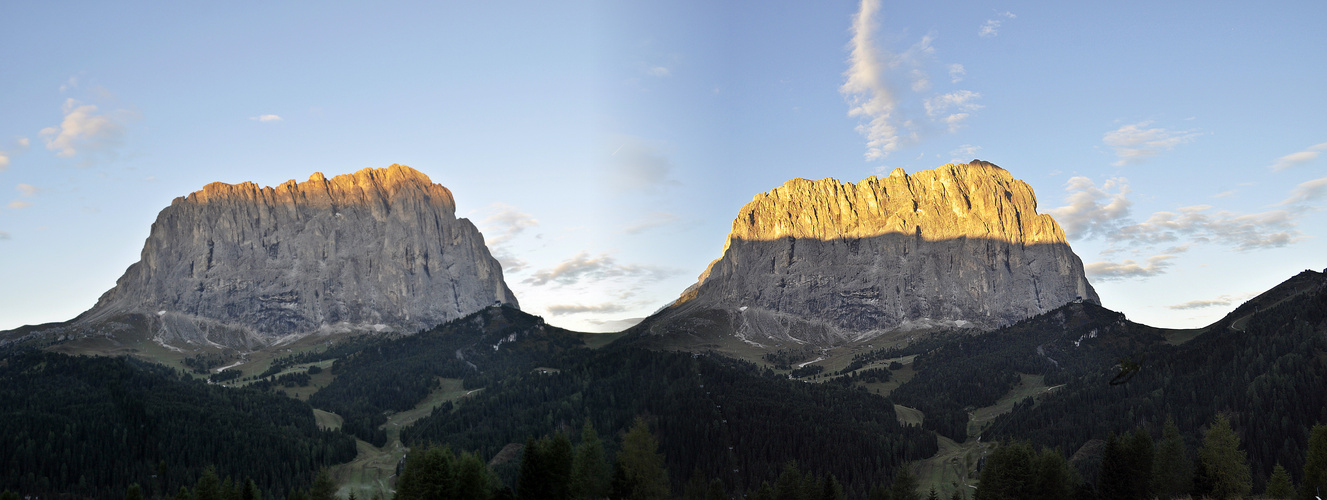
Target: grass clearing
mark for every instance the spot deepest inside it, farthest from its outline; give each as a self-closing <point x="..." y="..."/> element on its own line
<point x="1028" y="386"/>
<point x="909" y="416"/>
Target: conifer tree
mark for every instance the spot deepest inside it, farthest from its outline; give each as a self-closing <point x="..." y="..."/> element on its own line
<point x="933" y="495"/>
<point x="1223" y="461"/>
<point x="591" y="475"/>
<point x="1139" y="451"/>
<point x="324" y="488"/>
<point x="135" y="492"/>
<point x="643" y="469"/>
<point x="832" y="490"/>
<point x="716" y="490"/>
<point x="764" y="493"/>
<point x="1171" y="470"/>
<point x="1278" y="486"/>
<point x="1052" y="478"/>
<point x="1114" y="480"/>
<point x="209" y="485"/>
<point x="473" y="479"/>
<point x="1008" y="474"/>
<point x="789" y="484"/>
<point x="904" y="486"/>
<point x="1315" y="465"/>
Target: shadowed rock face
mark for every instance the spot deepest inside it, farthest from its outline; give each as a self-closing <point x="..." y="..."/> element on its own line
<point x="244" y="265"/>
<point x="826" y="262"/>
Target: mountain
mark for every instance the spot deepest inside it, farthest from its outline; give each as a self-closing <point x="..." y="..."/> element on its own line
<point x="246" y="266"/>
<point x="827" y="262"/>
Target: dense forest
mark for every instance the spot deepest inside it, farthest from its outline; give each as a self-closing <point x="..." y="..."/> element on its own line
<point x="89" y="427"/>
<point x="1265" y="366"/>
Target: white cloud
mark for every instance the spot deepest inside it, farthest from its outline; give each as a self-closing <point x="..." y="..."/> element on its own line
<point x="868" y="95"/>
<point x="565" y="309"/>
<point x="639" y="165"/>
<point x="1135" y="143"/>
<point x="1093" y="211"/>
<point x="1243" y="231"/>
<point x="956" y="73"/>
<point x="27" y="190"/>
<point x="19" y="204"/>
<point x="1108" y="271"/>
<point x="82" y="128"/>
<point x="1304" y="193"/>
<point x="72" y="83"/>
<point x="4" y="235"/>
<point x="921" y="82"/>
<point x="1299" y="158"/>
<point x="992" y="26"/>
<point x="964" y="153"/>
<point x="650" y="221"/>
<point x="1223" y="300"/>
<point x="266" y="118"/>
<point x="583" y="267"/>
<point x="500" y="228"/>
<point x="4" y="161"/>
<point x="659" y="71"/>
<point x="23" y="143"/>
<point x="961" y="102"/>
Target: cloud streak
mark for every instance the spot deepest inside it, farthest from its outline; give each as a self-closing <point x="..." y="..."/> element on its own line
<point x="868" y="95"/>
<point x="991" y="28"/>
<point x="265" y="118"/>
<point x="1135" y="143"/>
<point x="83" y="129"/>
<point x="1299" y="158"/>
<point x="566" y="309"/>
<point x="1127" y="269"/>
<point x="583" y="267"/>
<point x="1093" y="211"/>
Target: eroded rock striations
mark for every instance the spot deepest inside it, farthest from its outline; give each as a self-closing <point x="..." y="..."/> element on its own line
<point x="246" y="266"/>
<point x="827" y="262"/>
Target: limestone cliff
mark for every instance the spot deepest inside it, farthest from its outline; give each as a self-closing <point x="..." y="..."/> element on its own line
<point x="827" y="262"/>
<point x="243" y="265"/>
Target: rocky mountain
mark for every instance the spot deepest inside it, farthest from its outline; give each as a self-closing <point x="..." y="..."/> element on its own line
<point x="245" y="266"/>
<point x="828" y="262"/>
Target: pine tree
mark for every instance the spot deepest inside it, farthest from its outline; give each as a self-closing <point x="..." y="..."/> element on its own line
<point x="933" y="495"/>
<point x="764" y="493"/>
<point x="1278" y="486"/>
<point x="324" y="488"/>
<point x="534" y="478"/>
<point x="1114" y="481"/>
<point x="958" y="494"/>
<point x="473" y="479"/>
<point x="1315" y="465"/>
<point x="832" y="489"/>
<point x="557" y="458"/>
<point x="1140" y="449"/>
<point x="904" y="486"/>
<point x="1008" y="474"/>
<point x="1171" y="470"/>
<point x="1052" y="478"/>
<point x="1223" y="461"/>
<point x="789" y="484"/>
<point x="695" y="487"/>
<point x="590" y="473"/>
<point x="209" y="485"/>
<point x="251" y="491"/>
<point x="642" y="466"/>
<point x="183" y="494"/>
<point x="135" y="492"/>
<point x="716" y="490"/>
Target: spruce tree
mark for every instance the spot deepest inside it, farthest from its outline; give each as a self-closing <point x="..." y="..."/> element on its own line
<point x="1140" y="450"/>
<point x="557" y="458"/>
<point x="832" y="489"/>
<point x="1052" y="478"/>
<point x="324" y="488"/>
<point x="1008" y="474"/>
<point x="135" y="492"/>
<point x="591" y="475"/>
<point x="1223" y="461"/>
<point x="904" y="486"/>
<point x="1115" y="481"/>
<point x="642" y="466"/>
<point x="473" y="479"/>
<point x="716" y="490"/>
<point x="1171" y="470"/>
<point x="789" y="484"/>
<point x="209" y="485"/>
<point x="1278" y="486"/>
<point x="1315" y="465"/>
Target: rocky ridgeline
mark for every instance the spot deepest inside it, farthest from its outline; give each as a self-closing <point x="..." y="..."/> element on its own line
<point x="245" y="266"/>
<point x="827" y="262"/>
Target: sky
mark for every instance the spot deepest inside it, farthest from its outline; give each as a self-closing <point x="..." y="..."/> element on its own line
<point x="603" y="148"/>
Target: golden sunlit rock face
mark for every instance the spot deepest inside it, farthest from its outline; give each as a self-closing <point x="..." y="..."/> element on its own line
<point x="827" y="262"/>
<point x="244" y="265"/>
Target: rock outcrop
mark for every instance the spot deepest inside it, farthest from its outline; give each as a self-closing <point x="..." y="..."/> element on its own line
<point x="245" y="266"/>
<point x="827" y="262"/>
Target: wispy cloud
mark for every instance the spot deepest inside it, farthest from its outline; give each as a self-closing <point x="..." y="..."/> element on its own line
<point x="961" y="103"/>
<point x="4" y="235"/>
<point x="1093" y="211"/>
<point x="584" y="267"/>
<point x="4" y="161"/>
<point x="868" y="94"/>
<point x="659" y="71"/>
<point x="1305" y="193"/>
<point x="956" y="73"/>
<point x="19" y="204"/>
<point x="650" y="221"/>
<point x="83" y="128"/>
<point x="963" y="153"/>
<point x="1108" y="271"/>
<point x="639" y="165"/>
<point x="565" y="309"/>
<point x="1271" y="229"/>
<point x="265" y="118"/>
<point x="1223" y="300"/>
<point x="500" y="228"/>
<point x="1299" y="158"/>
<point x="1135" y="142"/>
<point x="992" y="26"/>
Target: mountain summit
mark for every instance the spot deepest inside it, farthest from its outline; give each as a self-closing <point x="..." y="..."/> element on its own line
<point x="244" y="266"/>
<point x="825" y="262"/>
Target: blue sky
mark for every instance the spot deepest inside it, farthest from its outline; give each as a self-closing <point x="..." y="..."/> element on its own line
<point x="604" y="147"/>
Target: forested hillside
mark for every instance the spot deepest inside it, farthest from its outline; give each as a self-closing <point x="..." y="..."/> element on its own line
<point x="91" y="426"/>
